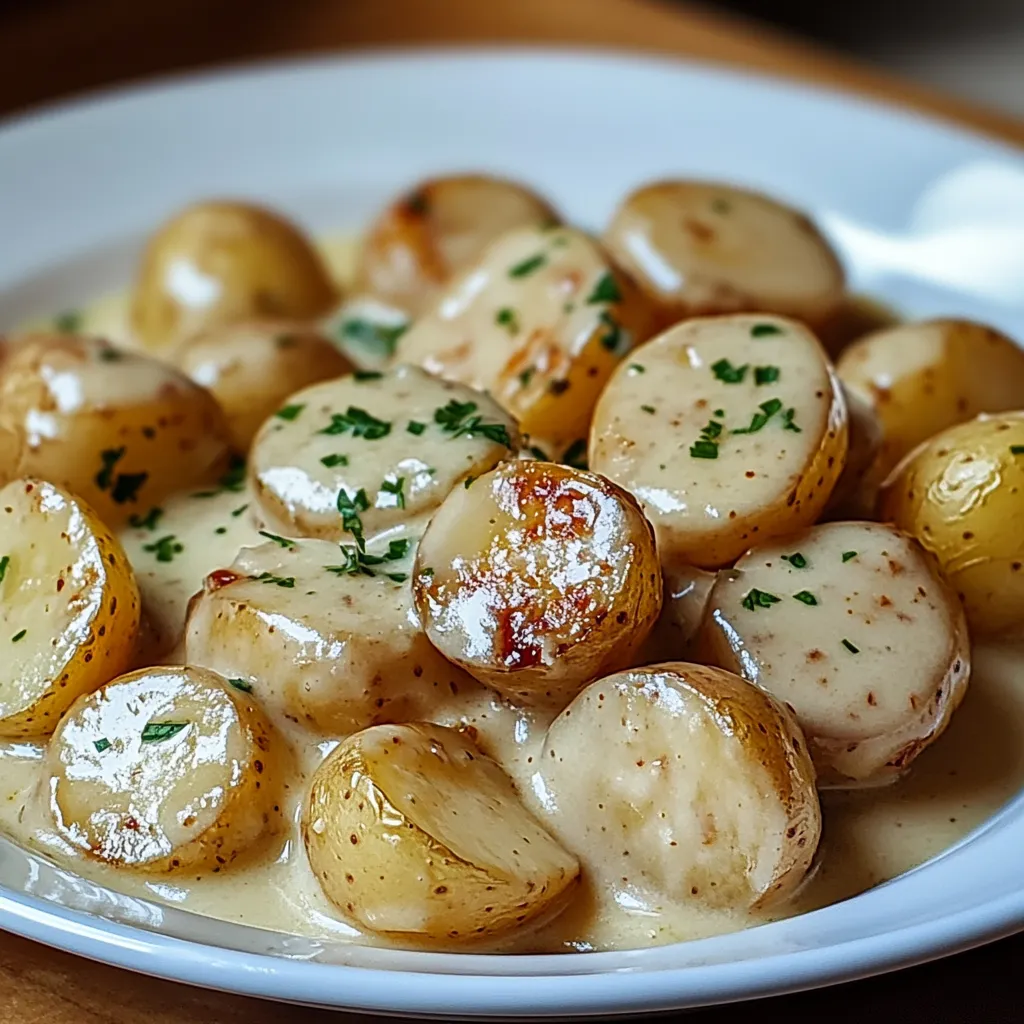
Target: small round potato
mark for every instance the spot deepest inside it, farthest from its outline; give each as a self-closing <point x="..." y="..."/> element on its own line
<point x="165" y="770"/>
<point x="850" y="625"/>
<point x="12" y="445"/>
<point x="413" y="833"/>
<point x="699" y="248"/>
<point x="218" y="263"/>
<point x="729" y="430"/>
<point x="961" y="494"/>
<point x="438" y="229"/>
<point x="686" y="595"/>
<point x="856" y="491"/>
<point x="119" y="429"/>
<point x="923" y="377"/>
<point x="538" y="578"/>
<point x="372" y="451"/>
<point x="69" y="606"/>
<point x="325" y="638"/>
<point x="251" y="368"/>
<point x="685" y="782"/>
<point x="367" y="330"/>
<point x="540" y="323"/>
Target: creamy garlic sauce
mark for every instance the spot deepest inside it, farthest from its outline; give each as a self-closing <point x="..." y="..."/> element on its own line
<point x="869" y="835"/>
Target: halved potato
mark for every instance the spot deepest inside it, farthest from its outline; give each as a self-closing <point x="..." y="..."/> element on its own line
<point x="413" y="833"/>
<point x="164" y="770"/>
<point x="69" y="606"/>
<point x="684" y="782"/>
<point x="923" y="377"/>
<point x="438" y="228"/>
<point x="729" y="430"/>
<point x="849" y="624"/>
<point x="537" y="578"/>
<point x="961" y="494"/>
<point x="699" y="248"/>
<point x="373" y="450"/>
<point x="856" y="490"/>
<point x="687" y="589"/>
<point x="252" y="367"/>
<point x="119" y="429"/>
<point x="540" y="323"/>
<point x="323" y="637"/>
<point x="367" y="330"/>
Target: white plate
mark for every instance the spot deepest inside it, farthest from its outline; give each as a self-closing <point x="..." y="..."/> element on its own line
<point x="927" y="216"/>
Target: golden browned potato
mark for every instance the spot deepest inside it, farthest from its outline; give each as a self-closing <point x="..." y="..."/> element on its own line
<point x="850" y="626"/>
<point x="12" y="444"/>
<point x="699" y="248"/>
<point x="413" y="833"/>
<point x="923" y="377"/>
<point x="539" y="322"/>
<point x="856" y="490"/>
<point x="69" y="606"/>
<point x="119" y="429"/>
<point x="217" y="263"/>
<point x="438" y="229"/>
<point x="252" y="367"/>
<point x="536" y="578"/>
<point x="728" y="430"/>
<point x="961" y="494"/>
<point x="165" y="770"/>
<point x="683" y="782"/>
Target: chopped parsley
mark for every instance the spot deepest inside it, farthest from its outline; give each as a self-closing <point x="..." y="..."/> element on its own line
<point x="241" y="684"/>
<point x="1017" y="449"/>
<point x="350" y="507"/>
<point x="526" y="376"/>
<point x="234" y="478"/>
<point x="759" y="599"/>
<point x="4" y="562"/>
<point x="706" y="447"/>
<point x="290" y="412"/>
<point x="788" y="423"/>
<point x="729" y="374"/>
<point x="397" y="577"/>
<point x="359" y="422"/>
<point x="165" y="548"/>
<point x="806" y="597"/>
<point x="847" y="555"/>
<point x="468" y="482"/>
<point x="69" y="322"/>
<point x="428" y="572"/>
<point x="357" y="561"/>
<point x="126" y="486"/>
<point x="528" y="266"/>
<point x="506" y="317"/>
<point x="18" y="636"/>
<point x="649" y="409"/>
<point x="457" y="419"/>
<point x="330" y="461"/>
<point x="109" y="458"/>
<point x="146" y="522"/>
<point x="764" y="330"/>
<point x="766" y="375"/>
<point x="221" y="530"/>
<point x="613" y="337"/>
<point x="606" y="290"/>
<point x="637" y="368"/>
<point x="111" y="355"/>
<point x="101" y="744"/>
<point x="796" y="560"/>
<point x="378" y="338"/>
<point x="768" y="410"/>
<point x="238" y="511"/>
<point x="288" y="582"/>
<point x="576" y="454"/>
<point x="850" y="647"/>
<point x="157" y="732"/>
<point x="361" y="376"/>
<point x="396" y="488"/>
<point x="414" y="427"/>
<point x="283" y="542"/>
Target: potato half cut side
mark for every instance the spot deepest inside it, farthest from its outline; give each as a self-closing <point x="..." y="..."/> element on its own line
<point x="683" y="782"/>
<point x="849" y="624"/>
<point x="415" y="834"/>
<point x="536" y="579"/>
<point x="69" y="606"/>
<point x="961" y="494"/>
<point x="164" y="770"/>
<point x="372" y="450"/>
<point x="539" y="322"/>
<point x="729" y="430"/>
<point x="701" y="248"/>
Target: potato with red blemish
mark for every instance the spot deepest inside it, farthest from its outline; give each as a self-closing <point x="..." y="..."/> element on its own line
<point x="537" y="578"/>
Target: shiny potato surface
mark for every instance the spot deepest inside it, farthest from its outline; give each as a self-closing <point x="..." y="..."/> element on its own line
<point x="413" y="833"/>
<point x="437" y="229"/>
<point x="961" y="494"/>
<point x="121" y="430"/>
<point x="851" y="627"/>
<point x="728" y="430"/>
<point x="69" y="606"/>
<point x="536" y="578"/>
<point x="699" y="248"/>
<point x="323" y="637"/>
<point x="373" y="450"/>
<point x="856" y="490"/>
<point x="367" y="330"/>
<point x="539" y="322"/>
<point x="252" y="367"/>
<point x="684" y="782"/>
<point x="165" y="770"/>
<point x="218" y="263"/>
<point x="925" y="376"/>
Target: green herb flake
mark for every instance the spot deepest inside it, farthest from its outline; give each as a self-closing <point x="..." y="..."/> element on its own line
<point x="796" y="560"/>
<point x="614" y="335"/>
<point x="234" y="479"/>
<point x="764" y="330"/>
<point x="805" y="597"/>
<point x="157" y="732"/>
<point x="101" y="745"/>
<point x="350" y="507"/>
<point x="111" y="355"/>
<point x="428" y="572"/>
<point x="759" y="419"/>
<point x="240" y="510"/>
<point x="330" y="461"/>
<point x="759" y="599"/>
<point x="165" y="548"/>
<point x="415" y="427"/>
<point x="4" y="562"/>
<point x="397" y="577"/>
<point x="704" y="450"/>
<point x="649" y="409"/>
<point x="126" y="486"/>
<point x="468" y="482"/>
<point x="720" y="413"/>
<point x="528" y="266"/>
<point x="290" y="412"/>
<point x="606" y="290"/>
<point x="788" y="423"/>
<point x="766" y="375"/>
<point x="457" y="419"/>
<point x="361" y="376"/>
<point x="69" y="322"/>
<point x="380" y="339"/>
<point x="847" y="555"/>
<point x="359" y="422"/>
<point x="283" y="542"/>
<point x="221" y="530"/>
<point x="850" y="647"/>
<point x="729" y="374"/>
<point x="109" y="458"/>
<point x="506" y="317"/>
<point x="576" y="454"/>
<point x="635" y="368"/>
<point x="288" y="582"/>
<point x="1017" y="449"/>
<point x="18" y="636"/>
<point x="358" y="561"/>
<point x="147" y="522"/>
<point x="396" y="488"/>
<point x="526" y="376"/>
<point x="241" y="684"/>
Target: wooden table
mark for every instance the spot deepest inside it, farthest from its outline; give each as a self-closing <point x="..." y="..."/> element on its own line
<point x="51" y="48"/>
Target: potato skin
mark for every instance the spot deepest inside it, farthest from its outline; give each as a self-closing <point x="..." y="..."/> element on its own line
<point x="393" y="855"/>
<point x="220" y="262"/>
<point x="961" y="494"/>
<point x="856" y="490"/>
<point x="12" y="444"/>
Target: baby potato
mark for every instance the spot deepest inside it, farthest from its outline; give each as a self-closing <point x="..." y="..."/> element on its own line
<point x="120" y="430"/>
<point x="69" y="606"/>
<point x="923" y="377"/>
<point x="540" y="323"/>
<point x="687" y="589"/>
<point x="536" y="579"/>
<point x="370" y="451"/>
<point x="413" y="833"/>
<point x="699" y="248"/>
<point x="728" y="430"/>
<point x="252" y="367"/>
<point x="856" y="491"/>
<point x="367" y="330"/>
<point x="12" y="445"/>
<point x="323" y="637"/>
<point x="683" y="781"/>
<point x="437" y="229"/>
<point x="851" y="627"/>
<point x="165" y="770"/>
<point x="221" y="262"/>
<point x="961" y="494"/>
